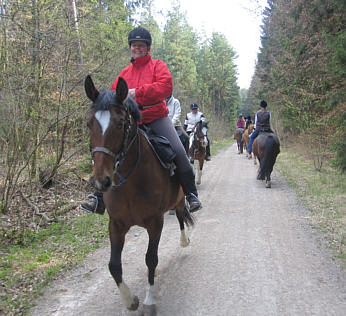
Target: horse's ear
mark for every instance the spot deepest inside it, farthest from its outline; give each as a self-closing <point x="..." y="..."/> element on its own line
<point x="122" y="89"/>
<point x="90" y="89"/>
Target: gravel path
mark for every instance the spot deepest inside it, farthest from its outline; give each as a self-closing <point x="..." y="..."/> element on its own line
<point x="252" y="252"/>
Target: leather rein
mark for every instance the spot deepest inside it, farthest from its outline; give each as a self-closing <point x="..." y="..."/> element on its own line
<point x="119" y="157"/>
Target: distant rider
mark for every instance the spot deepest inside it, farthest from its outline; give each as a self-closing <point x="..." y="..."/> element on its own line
<point x="191" y="119"/>
<point x="263" y="123"/>
<point x="174" y="108"/>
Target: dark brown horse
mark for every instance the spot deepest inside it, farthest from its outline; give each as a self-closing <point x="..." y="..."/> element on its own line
<point x="238" y="137"/>
<point x="137" y="189"/>
<point x="246" y="137"/>
<point x="266" y="147"/>
<point x="197" y="149"/>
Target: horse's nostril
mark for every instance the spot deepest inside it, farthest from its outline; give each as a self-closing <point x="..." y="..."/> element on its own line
<point x="107" y="182"/>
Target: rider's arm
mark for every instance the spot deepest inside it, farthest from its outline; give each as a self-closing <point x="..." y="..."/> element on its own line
<point x="177" y="113"/>
<point x="186" y="122"/>
<point x="255" y="121"/>
<point x="270" y="121"/>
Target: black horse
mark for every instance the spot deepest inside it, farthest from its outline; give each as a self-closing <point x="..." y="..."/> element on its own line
<point x="266" y="147"/>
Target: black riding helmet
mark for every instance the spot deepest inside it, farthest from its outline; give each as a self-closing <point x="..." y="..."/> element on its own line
<point x="193" y="106"/>
<point x="140" y="34"/>
<point x="263" y="104"/>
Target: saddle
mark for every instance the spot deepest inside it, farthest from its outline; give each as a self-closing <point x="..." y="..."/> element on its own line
<point x="266" y="130"/>
<point x="161" y="147"/>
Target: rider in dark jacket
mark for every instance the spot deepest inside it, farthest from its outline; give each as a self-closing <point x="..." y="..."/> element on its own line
<point x="262" y="124"/>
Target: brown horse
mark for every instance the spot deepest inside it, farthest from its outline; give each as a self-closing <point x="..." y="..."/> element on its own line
<point x="197" y="149"/>
<point x="246" y="137"/>
<point x="266" y="147"/>
<point x="137" y="189"/>
<point x="238" y="137"/>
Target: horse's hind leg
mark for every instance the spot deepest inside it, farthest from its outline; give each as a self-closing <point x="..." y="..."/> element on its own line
<point x="268" y="180"/>
<point x="117" y="243"/>
<point x="154" y="230"/>
<point x="183" y="215"/>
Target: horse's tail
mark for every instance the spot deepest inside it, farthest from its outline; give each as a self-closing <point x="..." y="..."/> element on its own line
<point x="188" y="218"/>
<point x="269" y="157"/>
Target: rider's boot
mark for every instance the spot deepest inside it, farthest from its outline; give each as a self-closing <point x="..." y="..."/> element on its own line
<point x="94" y="203"/>
<point x="187" y="181"/>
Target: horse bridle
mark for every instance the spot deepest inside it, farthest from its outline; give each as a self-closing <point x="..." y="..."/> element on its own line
<point x="199" y="138"/>
<point x="119" y="157"/>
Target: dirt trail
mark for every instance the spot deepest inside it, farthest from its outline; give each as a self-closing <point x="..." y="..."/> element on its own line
<point x="252" y="252"/>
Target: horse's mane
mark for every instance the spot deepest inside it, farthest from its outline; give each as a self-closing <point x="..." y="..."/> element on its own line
<point x="133" y="108"/>
<point x="107" y="98"/>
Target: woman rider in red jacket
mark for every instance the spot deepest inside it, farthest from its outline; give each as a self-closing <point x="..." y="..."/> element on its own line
<point x="150" y="83"/>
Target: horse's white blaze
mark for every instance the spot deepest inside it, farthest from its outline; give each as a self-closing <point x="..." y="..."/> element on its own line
<point x="103" y="117"/>
<point x="125" y="294"/>
<point x="149" y="300"/>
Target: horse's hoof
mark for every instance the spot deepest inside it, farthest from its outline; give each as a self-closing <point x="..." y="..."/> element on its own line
<point x="134" y="305"/>
<point x="268" y="184"/>
<point x="149" y="310"/>
<point x="184" y="242"/>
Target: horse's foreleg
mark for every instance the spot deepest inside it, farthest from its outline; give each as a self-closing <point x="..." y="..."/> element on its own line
<point x="151" y="259"/>
<point x="200" y="170"/>
<point x="117" y="243"/>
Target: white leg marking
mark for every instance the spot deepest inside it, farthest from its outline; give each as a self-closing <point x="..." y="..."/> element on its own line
<point x="103" y="118"/>
<point x="184" y="240"/>
<point x="149" y="300"/>
<point x="199" y="176"/>
<point x="126" y="295"/>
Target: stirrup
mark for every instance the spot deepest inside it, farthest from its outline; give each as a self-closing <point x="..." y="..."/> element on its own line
<point x="195" y="209"/>
<point x="85" y="200"/>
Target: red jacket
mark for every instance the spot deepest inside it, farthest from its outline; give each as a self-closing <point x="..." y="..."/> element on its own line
<point x="153" y="83"/>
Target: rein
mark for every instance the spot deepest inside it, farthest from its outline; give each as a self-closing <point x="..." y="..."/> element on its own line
<point x="117" y="164"/>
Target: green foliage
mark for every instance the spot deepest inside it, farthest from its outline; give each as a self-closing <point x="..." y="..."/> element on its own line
<point x="300" y="71"/>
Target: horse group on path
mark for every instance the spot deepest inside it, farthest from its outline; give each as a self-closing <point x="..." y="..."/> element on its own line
<point x="265" y="148"/>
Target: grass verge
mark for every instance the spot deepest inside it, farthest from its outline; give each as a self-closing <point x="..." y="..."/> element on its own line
<point x="323" y="193"/>
<point x="218" y="145"/>
<point x="25" y="270"/>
